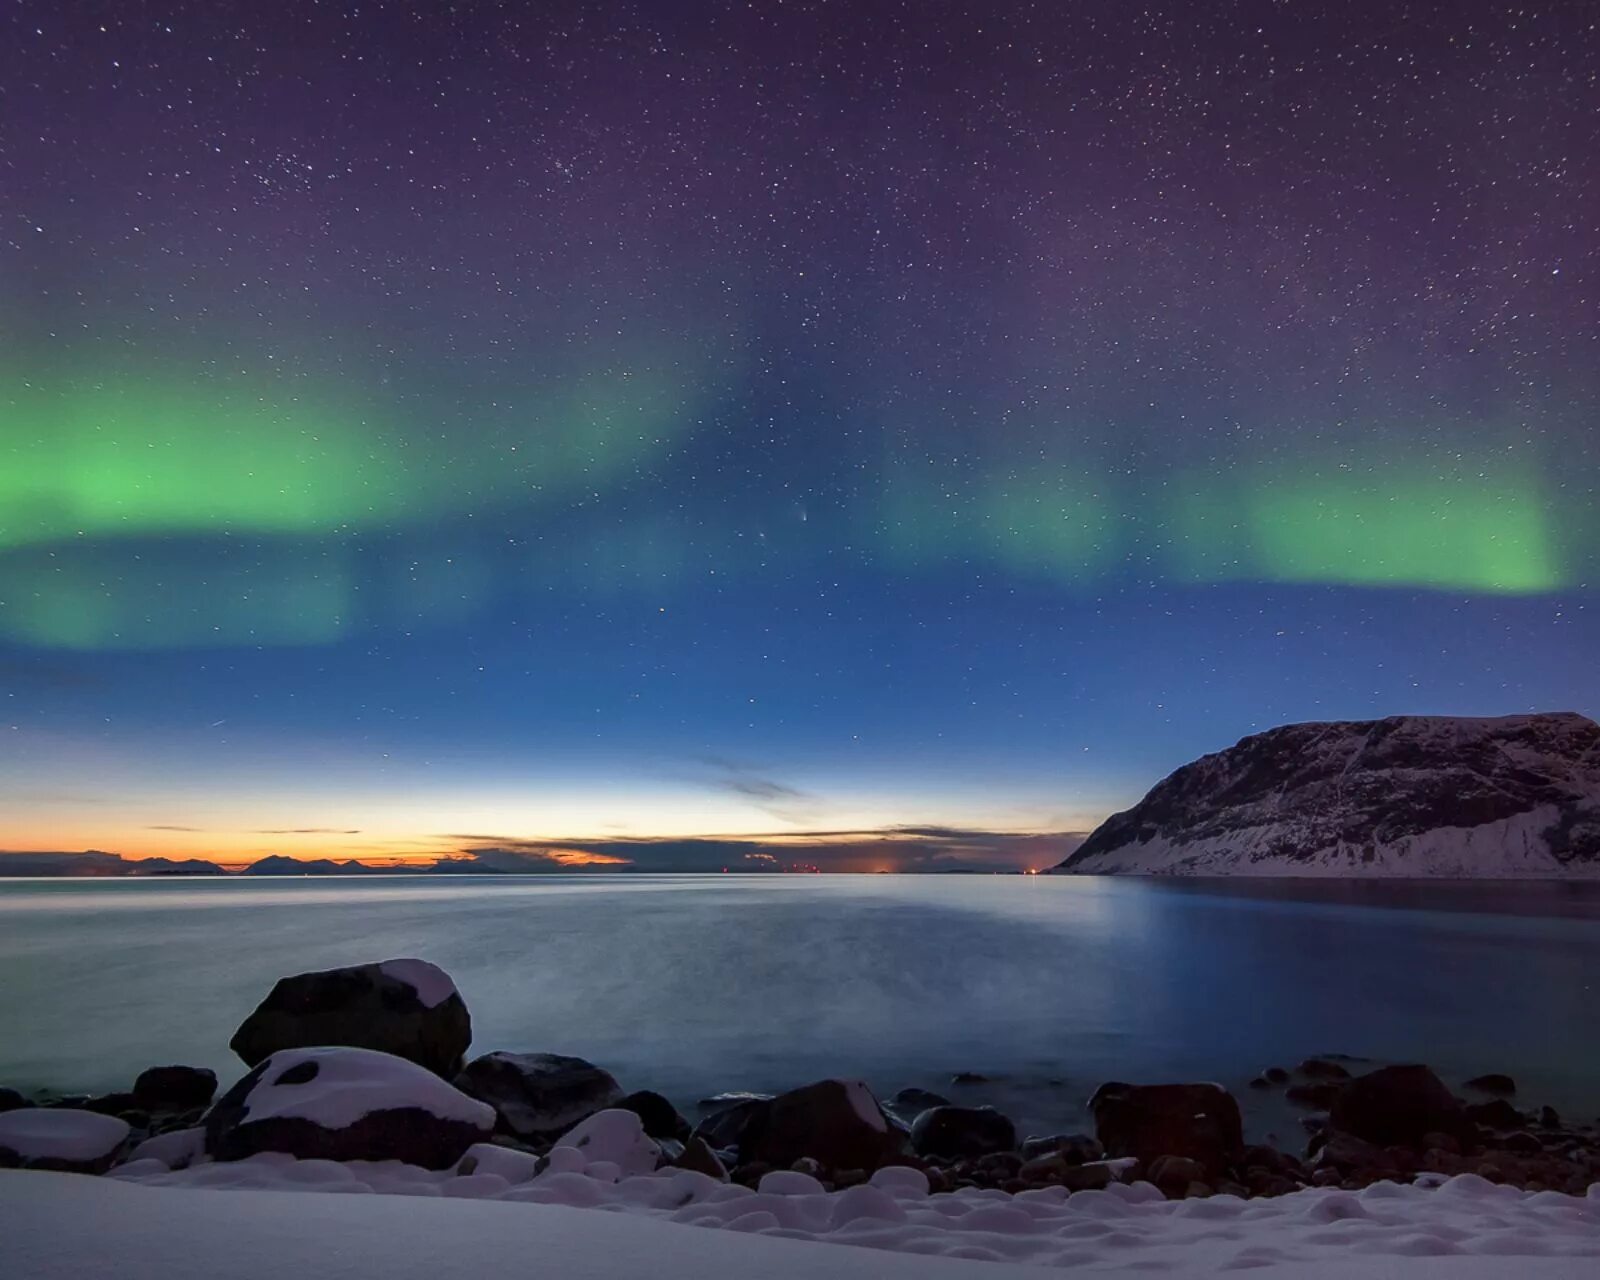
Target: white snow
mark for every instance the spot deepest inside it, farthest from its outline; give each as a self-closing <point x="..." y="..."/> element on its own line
<point x="615" y="1137"/>
<point x="1463" y="1221"/>
<point x="503" y="1162"/>
<point x="52" y="1133"/>
<point x="176" y="1150"/>
<point x="351" y="1083"/>
<point x="431" y="983"/>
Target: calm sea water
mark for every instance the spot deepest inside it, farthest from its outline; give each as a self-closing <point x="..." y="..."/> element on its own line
<point x="694" y="984"/>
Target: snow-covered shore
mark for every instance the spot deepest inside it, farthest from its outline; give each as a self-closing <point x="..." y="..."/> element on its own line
<point x="66" y="1226"/>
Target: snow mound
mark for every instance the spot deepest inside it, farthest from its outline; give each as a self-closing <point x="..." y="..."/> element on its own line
<point x="59" y="1133"/>
<point x="334" y="1087"/>
<point x="614" y="1137"/>
<point x="1122" y="1228"/>
<point x="431" y="983"/>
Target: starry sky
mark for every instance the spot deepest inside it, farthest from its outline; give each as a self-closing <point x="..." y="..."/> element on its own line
<point x="875" y="434"/>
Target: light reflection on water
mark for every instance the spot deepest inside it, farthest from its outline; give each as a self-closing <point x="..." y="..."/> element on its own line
<point x="690" y="984"/>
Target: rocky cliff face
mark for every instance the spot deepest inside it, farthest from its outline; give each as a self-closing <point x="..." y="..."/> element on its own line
<point x="1512" y="796"/>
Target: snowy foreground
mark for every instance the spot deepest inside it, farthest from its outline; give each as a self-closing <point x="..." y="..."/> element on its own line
<point x="245" y="1220"/>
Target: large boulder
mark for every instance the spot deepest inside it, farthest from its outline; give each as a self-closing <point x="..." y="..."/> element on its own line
<point x="539" y="1095"/>
<point x="11" y="1100"/>
<point x="1198" y="1121"/>
<point x="175" y="1088"/>
<point x="1398" y="1105"/>
<point x="728" y="1126"/>
<point x="959" y="1132"/>
<point x="838" y="1123"/>
<point x="659" y="1117"/>
<point x="68" y="1141"/>
<point x="339" y="1103"/>
<point x="408" y="1008"/>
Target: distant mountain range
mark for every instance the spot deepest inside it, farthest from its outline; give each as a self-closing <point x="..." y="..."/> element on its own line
<point x="94" y="864"/>
<point x="1507" y="797"/>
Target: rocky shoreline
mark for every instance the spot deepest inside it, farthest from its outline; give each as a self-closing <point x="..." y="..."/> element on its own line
<point x="369" y="1063"/>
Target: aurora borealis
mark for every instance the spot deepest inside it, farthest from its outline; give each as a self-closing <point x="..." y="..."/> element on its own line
<point x="432" y="427"/>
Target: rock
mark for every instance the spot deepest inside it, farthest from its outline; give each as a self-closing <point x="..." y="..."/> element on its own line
<point x="1496" y="1114"/>
<point x="955" y="1132"/>
<point x="701" y="1158"/>
<point x="1174" y="1174"/>
<point x="1277" y="1075"/>
<point x="838" y="1122"/>
<point x="615" y="1137"/>
<point x="1317" y="1096"/>
<point x="1494" y="1082"/>
<point x="175" y="1088"/>
<point x="808" y="1166"/>
<point x="342" y="1103"/>
<point x="1440" y="1142"/>
<point x="1399" y="1105"/>
<point x="11" y="1100"/>
<point x="506" y="1162"/>
<point x="660" y="1117"/>
<point x="969" y="1077"/>
<point x="908" y="1104"/>
<point x="1057" y="1168"/>
<point x="1522" y="1143"/>
<point x="1260" y="1082"/>
<point x="539" y="1095"/>
<point x="1078" y="1148"/>
<point x="1199" y="1121"/>
<point x="728" y="1128"/>
<point x="1549" y="1118"/>
<point x="62" y="1139"/>
<point x="111" y="1104"/>
<point x="408" y="1008"/>
<point x="1322" y="1069"/>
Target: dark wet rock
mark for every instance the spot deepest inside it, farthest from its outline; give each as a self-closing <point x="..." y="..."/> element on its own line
<point x="111" y="1104"/>
<point x="1323" y="1069"/>
<point x="1077" y="1148"/>
<point x="659" y="1117"/>
<point x="1496" y="1114"/>
<point x="1494" y="1082"/>
<point x="1277" y="1075"/>
<point x="700" y="1157"/>
<point x="969" y="1077"/>
<point x="1260" y="1082"/>
<point x="1549" y="1118"/>
<point x="11" y="1100"/>
<point x="954" y="1132"/>
<point x="908" y="1104"/>
<point x="750" y="1173"/>
<point x="1174" y="1174"/>
<point x="539" y="1095"/>
<point x="341" y="1103"/>
<point x="384" y="1006"/>
<point x="728" y="1127"/>
<point x="1199" y="1121"/>
<point x="1522" y="1143"/>
<point x="1055" y="1168"/>
<point x="837" y="1122"/>
<point x="175" y="1088"/>
<point x="1317" y="1095"/>
<point x="1399" y="1105"/>
<point x="61" y="1139"/>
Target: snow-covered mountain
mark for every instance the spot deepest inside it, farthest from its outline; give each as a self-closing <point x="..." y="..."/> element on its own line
<point x="1504" y="797"/>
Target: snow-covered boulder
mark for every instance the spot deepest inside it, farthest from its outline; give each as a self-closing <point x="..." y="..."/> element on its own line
<point x="836" y="1122"/>
<point x="1198" y="1121"/>
<point x="175" y="1088"/>
<point x="615" y="1137"/>
<point x="177" y="1149"/>
<point x="341" y="1103"/>
<point x="59" y="1138"/>
<point x="1504" y="797"/>
<point x="962" y="1132"/>
<point x="539" y="1095"/>
<point x="408" y="1008"/>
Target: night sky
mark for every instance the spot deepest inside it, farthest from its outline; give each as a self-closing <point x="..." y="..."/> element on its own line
<point x="586" y="427"/>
